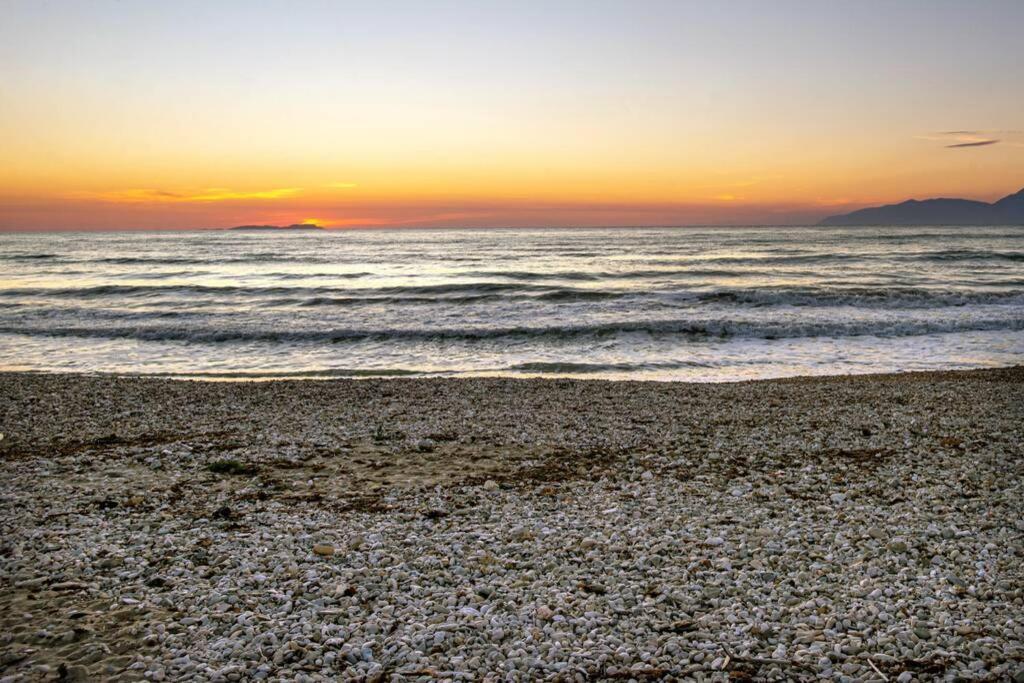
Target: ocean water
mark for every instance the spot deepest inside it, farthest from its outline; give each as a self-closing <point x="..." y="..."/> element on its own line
<point x="630" y="303"/>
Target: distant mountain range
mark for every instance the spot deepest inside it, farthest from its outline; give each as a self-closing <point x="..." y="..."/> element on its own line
<point x="1007" y="211"/>
<point x="277" y="228"/>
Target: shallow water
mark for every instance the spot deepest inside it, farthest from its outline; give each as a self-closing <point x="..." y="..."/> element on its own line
<point x="640" y="303"/>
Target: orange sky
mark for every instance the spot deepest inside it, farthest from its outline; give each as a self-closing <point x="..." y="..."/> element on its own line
<point x="152" y="117"/>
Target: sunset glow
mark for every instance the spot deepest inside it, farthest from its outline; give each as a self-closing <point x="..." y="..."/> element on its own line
<point x="451" y="114"/>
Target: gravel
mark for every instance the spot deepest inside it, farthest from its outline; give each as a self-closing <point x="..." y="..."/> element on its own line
<point x="864" y="528"/>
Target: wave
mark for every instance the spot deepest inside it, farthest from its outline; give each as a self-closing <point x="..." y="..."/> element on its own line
<point x="863" y="297"/>
<point x="568" y="368"/>
<point x="694" y="330"/>
<point x="970" y="255"/>
<point x="97" y="291"/>
<point x="296" y="374"/>
<point x="599" y="276"/>
<point x="147" y="261"/>
<point x="764" y="257"/>
<point x="266" y="257"/>
<point x="344" y="301"/>
<point x="28" y="257"/>
<point x="556" y="295"/>
<point x="396" y="291"/>
<point x="309" y="276"/>
<point x="453" y="293"/>
<point x="529" y="368"/>
<point x="767" y="259"/>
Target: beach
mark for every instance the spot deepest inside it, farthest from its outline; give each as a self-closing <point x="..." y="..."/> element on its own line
<point x="850" y="528"/>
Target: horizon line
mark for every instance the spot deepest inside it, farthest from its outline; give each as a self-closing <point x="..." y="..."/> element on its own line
<point x="346" y="228"/>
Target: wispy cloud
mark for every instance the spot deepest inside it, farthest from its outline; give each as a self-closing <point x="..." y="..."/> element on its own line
<point x="978" y="143"/>
<point x="960" y="139"/>
<point x="212" y="194"/>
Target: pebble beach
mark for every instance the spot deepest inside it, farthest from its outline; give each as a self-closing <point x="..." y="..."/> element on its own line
<point x="859" y="528"/>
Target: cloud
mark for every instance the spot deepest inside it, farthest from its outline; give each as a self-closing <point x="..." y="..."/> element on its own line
<point x="212" y="194"/>
<point x="976" y="143"/>
<point x="960" y="139"/>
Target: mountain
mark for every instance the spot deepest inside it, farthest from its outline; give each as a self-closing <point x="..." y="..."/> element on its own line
<point x="1007" y="211"/>
<point x="277" y="228"/>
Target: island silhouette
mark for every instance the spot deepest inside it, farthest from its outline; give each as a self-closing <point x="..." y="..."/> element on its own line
<point x="300" y="227"/>
<point x="942" y="211"/>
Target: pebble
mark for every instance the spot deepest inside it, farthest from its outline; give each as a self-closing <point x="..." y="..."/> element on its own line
<point x="589" y="571"/>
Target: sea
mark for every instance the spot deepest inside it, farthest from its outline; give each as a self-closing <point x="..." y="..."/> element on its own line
<point x="693" y="304"/>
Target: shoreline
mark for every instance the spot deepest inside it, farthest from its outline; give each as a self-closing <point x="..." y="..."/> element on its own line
<point x="486" y="528"/>
<point x="412" y="375"/>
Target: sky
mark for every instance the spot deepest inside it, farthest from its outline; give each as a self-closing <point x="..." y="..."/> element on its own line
<point x="161" y="115"/>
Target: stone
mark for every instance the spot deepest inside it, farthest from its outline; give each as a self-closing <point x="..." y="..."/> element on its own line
<point x="75" y="672"/>
<point x="589" y="569"/>
<point x="112" y="562"/>
<point x="323" y="549"/>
